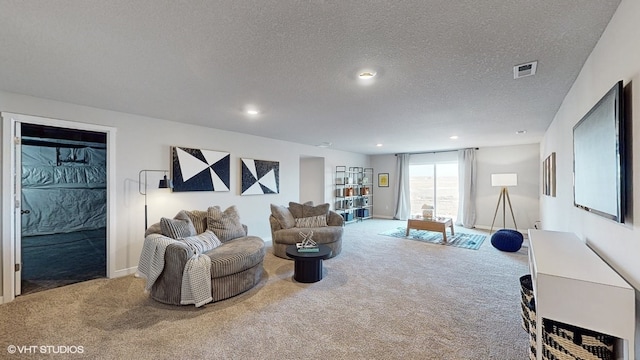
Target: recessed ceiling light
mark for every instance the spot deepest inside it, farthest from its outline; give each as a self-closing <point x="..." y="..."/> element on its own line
<point x="324" y="144"/>
<point x="251" y="110"/>
<point x="366" y="75"/>
<point x="378" y="145"/>
<point x="520" y="132"/>
<point x="453" y="137"/>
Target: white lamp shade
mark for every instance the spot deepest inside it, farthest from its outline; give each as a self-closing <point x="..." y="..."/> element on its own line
<point x="504" y="180"/>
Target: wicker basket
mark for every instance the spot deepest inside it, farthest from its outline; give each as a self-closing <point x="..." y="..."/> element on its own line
<point x="526" y="294"/>
<point x="531" y="306"/>
<point x="528" y="312"/>
<point x="563" y="341"/>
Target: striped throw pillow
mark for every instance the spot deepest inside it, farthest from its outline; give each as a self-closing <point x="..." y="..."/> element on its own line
<point x="225" y="224"/>
<point x="199" y="220"/>
<point x="312" y="221"/>
<point x="176" y="228"/>
<point x="202" y="243"/>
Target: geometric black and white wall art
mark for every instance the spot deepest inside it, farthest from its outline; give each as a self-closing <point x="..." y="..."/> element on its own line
<point x="260" y="177"/>
<point x="200" y="170"/>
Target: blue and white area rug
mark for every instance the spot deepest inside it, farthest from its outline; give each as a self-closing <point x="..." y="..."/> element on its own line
<point x="463" y="240"/>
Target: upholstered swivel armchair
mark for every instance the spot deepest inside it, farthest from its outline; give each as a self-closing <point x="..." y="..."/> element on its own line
<point x="287" y="223"/>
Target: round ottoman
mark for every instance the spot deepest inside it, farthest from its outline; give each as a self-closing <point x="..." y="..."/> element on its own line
<point x="507" y="240"/>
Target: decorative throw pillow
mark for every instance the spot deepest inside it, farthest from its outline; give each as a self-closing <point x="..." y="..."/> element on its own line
<point x="312" y="221"/>
<point x="153" y="229"/>
<point x="183" y="215"/>
<point x="296" y="209"/>
<point x="310" y="210"/>
<point x="283" y="216"/>
<point x="176" y="228"/>
<point x="202" y="243"/>
<point x="225" y="224"/>
<point x="199" y="220"/>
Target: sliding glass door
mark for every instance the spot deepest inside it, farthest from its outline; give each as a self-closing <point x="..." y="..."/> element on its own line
<point x="436" y="185"/>
<point x="422" y="187"/>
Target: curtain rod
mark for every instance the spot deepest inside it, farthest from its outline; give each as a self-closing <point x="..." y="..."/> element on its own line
<point x="434" y="152"/>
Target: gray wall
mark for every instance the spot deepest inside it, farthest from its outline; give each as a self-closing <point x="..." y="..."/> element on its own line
<point x="520" y="159"/>
<point x="384" y="197"/>
<point x="615" y="57"/>
<point x="144" y="143"/>
<point x="312" y="180"/>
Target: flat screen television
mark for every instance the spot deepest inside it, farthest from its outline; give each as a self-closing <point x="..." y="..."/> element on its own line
<point x="598" y="163"/>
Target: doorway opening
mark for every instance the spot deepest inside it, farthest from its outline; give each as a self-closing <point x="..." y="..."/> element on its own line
<point x="63" y="206"/>
<point x="12" y="201"/>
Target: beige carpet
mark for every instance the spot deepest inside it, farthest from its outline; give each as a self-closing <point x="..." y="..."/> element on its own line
<point x="382" y="298"/>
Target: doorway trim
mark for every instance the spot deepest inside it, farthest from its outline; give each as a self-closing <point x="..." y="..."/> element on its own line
<point x="9" y="231"/>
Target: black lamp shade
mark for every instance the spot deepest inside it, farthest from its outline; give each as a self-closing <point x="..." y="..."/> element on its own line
<point x="165" y="183"/>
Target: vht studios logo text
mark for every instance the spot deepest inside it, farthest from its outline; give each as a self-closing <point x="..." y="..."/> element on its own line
<point x="45" y="349"/>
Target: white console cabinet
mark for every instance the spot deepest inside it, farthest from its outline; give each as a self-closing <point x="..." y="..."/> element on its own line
<point x="573" y="285"/>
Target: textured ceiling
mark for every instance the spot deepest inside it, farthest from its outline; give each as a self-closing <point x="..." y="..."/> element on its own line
<point x="443" y="67"/>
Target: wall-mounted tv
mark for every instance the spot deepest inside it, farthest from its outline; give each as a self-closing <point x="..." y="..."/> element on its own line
<point x="598" y="151"/>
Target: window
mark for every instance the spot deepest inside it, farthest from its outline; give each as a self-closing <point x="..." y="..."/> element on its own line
<point x="437" y="181"/>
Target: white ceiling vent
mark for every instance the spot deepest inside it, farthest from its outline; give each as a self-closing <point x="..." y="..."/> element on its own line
<point x="523" y="70"/>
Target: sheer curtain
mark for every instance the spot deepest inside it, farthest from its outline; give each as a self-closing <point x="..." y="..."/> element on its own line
<point x="403" y="198"/>
<point x="467" y="188"/>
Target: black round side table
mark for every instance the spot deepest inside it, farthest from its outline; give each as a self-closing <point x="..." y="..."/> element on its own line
<point x="308" y="265"/>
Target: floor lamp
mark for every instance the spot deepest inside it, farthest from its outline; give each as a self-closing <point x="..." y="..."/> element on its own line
<point x="504" y="181"/>
<point x="165" y="183"/>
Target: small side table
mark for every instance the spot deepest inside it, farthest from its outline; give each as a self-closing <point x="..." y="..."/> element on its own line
<point x="308" y="265"/>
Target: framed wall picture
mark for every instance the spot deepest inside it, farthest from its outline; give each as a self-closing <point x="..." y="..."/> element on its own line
<point x="549" y="175"/>
<point x="199" y="169"/>
<point x="383" y="180"/>
<point x="260" y="177"/>
<point x="545" y="177"/>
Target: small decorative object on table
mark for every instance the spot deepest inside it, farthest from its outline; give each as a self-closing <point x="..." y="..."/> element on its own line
<point x="307" y="244"/>
<point x="427" y="212"/>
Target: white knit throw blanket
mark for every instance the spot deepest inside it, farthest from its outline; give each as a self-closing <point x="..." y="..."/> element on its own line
<point x="196" y="277"/>
<point x="196" y="281"/>
<point x="152" y="258"/>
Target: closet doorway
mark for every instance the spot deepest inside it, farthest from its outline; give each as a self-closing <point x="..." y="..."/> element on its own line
<point x="64" y="206"/>
<point x="60" y="226"/>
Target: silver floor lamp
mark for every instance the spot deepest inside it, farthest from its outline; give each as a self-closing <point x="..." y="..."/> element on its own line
<point x="504" y="181"/>
<point x="165" y="183"/>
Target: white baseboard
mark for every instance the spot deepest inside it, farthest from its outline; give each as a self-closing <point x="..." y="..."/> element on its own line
<point x="382" y="217"/>
<point x="488" y="228"/>
<point x="485" y="228"/>
<point x="125" y="272"/>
